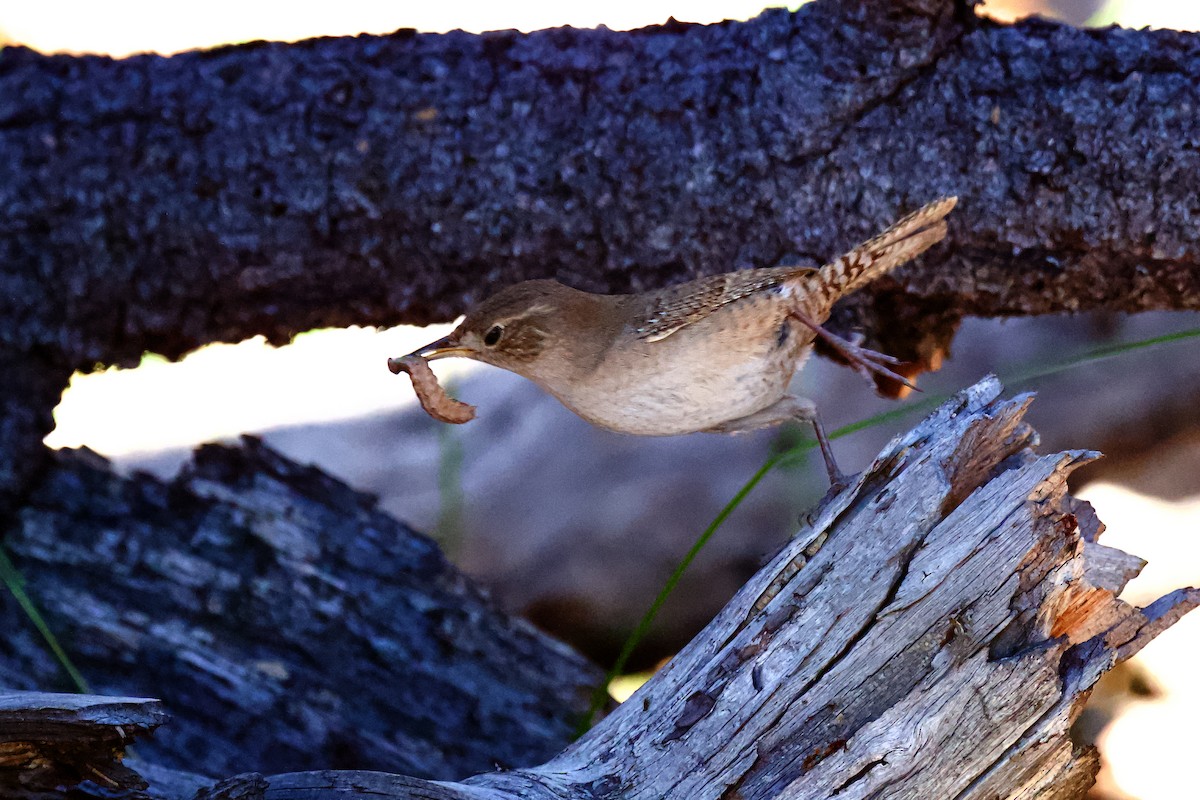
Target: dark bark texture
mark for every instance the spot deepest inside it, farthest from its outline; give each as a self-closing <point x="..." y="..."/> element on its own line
<point x="31" y="383"/>
<point x="162" y="203"/>
<point x="284" y="622"/>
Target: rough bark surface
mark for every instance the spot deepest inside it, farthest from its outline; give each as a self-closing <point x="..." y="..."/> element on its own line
<point x="31" y="384"/>
<point x="283" y="620"/>
<point x="933" y="631"/>
<point x="162" y="203"/>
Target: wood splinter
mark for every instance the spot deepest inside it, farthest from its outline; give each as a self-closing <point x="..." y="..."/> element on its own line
<point x="430" y="393"/>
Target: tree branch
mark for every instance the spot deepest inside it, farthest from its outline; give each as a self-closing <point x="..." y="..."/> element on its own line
<point x="158" y="204"/>
<point x="163" y="203"/>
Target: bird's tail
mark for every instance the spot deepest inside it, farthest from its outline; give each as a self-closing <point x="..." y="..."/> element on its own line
<point x="904" y="240"/>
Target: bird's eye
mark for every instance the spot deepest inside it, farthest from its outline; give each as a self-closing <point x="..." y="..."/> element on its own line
<point x="493" y="335"/>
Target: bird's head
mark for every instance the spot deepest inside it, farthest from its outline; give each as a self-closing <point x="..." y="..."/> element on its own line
<point x="514" y="328"/>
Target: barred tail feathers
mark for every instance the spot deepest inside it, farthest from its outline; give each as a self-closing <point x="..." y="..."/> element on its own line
<point x="905" y="240"/>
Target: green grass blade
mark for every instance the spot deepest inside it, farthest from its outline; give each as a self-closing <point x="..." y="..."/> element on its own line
<point x="1102" y="354"/>
<point x="12" y="579"/>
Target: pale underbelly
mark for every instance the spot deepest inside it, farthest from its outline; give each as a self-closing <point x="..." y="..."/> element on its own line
<point x="671" y="401"/>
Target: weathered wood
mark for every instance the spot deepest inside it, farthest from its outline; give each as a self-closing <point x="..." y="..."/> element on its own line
<point x="938" y="643"/>
<point x="283" y="620"/>
<point x="50" y="744"/>
<point x="932" y="632"/>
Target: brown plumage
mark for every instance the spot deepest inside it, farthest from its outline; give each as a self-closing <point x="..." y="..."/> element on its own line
<point x="676" y="306"/>
<point x="714" y="354"/>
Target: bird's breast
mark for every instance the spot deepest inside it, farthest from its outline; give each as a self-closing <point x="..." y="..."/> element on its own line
<point x="722" y="368"/>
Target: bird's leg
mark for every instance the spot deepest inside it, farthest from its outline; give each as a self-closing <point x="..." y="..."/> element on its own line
<point x="864" y="360"/>
<point x="787" y="409"/>
<point x="837" y="481"/>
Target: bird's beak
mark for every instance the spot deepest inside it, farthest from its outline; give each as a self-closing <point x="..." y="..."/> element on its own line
<point x="445" y="347"/>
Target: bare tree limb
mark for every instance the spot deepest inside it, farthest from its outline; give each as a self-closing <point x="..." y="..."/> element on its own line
<point x="163" y="203"/>
<point x="158" y="204"/>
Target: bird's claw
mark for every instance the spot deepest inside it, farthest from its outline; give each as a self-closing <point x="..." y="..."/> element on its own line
<point x="863" y="360"/>
<point x="868" y="362"/>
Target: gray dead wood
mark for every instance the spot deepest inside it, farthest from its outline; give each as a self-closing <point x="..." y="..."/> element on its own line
<point x="158" y="204"/>
<point x="932" y="632"/>
<point x="284" y="622"/>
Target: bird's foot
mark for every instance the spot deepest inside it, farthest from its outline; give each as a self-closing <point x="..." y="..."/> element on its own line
<point x="863" y="360"/>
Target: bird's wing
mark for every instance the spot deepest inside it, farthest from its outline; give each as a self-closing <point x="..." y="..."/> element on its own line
<point x="675" y="307"/>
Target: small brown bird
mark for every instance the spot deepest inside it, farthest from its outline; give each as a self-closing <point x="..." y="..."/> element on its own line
<point x="714" y="354"/>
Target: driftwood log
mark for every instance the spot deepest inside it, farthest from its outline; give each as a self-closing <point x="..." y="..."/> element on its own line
<point x="932" y="631"/>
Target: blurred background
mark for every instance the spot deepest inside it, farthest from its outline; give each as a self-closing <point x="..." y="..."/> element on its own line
<point x="580" y="539"/>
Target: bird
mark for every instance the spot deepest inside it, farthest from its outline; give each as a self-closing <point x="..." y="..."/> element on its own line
<point x="715" y="354"/>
